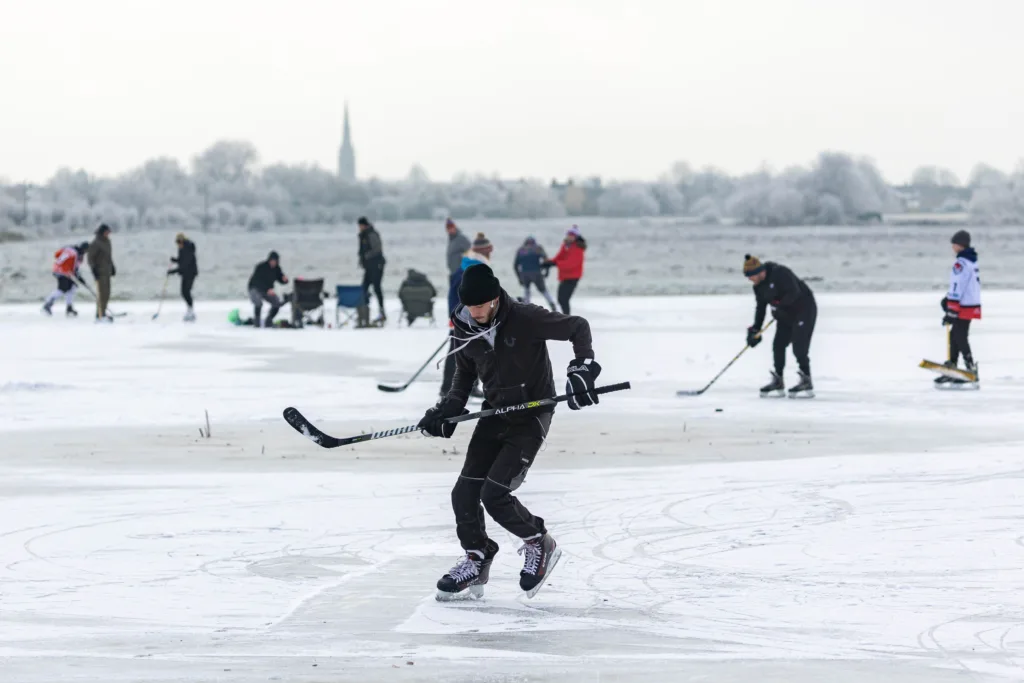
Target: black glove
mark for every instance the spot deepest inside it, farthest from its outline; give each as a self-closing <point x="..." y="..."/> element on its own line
<point x="780" y="315"/>
<point x="113" y="270"/>
<point x="753" y="336"/>
<point x="172" y="271"/>
<point x="944" y="303"/>
<point x="433" y="422"/>
<point x="583" y="373"/>
<point x="95" y="274"/>
<point x="950" y="317"/>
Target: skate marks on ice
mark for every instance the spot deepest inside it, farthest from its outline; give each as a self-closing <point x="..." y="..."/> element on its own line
<point x="906" y="560"/>
<point x="865" y="560"/>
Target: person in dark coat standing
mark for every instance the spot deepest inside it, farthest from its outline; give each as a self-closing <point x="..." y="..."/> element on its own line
<point x="101" y="263"/>
<point x="261" y="288"/>
<point x="795" y="312"/>
<point x="458" y="244"/>
<point x="188" y="269"/>
<point x="371" y="258"/>
<point x="503" y="343"/>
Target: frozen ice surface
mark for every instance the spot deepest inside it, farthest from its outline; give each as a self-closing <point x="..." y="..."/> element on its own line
<point x="872" y="534"/>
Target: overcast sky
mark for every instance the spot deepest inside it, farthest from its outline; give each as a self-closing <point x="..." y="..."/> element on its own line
<point x="537" y="88"/>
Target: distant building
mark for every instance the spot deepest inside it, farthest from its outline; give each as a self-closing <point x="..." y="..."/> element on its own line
<point x="346" y="155"/>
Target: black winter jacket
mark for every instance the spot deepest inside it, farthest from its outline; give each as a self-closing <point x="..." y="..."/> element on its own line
<point x="186" y="260"/>
<point x="782" y="290"/>
<point x="514" y="367"/>
<point x="371" y="251"/>
<point x="264" y="277"/>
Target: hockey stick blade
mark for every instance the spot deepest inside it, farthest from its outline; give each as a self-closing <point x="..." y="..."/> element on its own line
<point x="394" y="390"/>
<point x="303" y="426"/>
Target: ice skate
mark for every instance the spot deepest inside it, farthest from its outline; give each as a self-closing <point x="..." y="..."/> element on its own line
<point x="71" y="312"/>
<point x="775" y="388"/>
<point x="47" y="308"/>
<point x="190" y="316"/>
<point x="466" y="580"/>
<point x="541" y="555"/>
<point x="803" y="389"/>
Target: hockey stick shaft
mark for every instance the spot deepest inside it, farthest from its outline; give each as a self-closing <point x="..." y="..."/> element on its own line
<point x="385" y="387"/>
<point x="307" y="429"/>
<point x="163" y="293"/>
<point x="94" y="296"/>
<point x="727" y="366"/>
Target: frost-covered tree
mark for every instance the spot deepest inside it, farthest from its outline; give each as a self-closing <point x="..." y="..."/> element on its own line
<point x="628" y="200"/>
<point x="226" y="161"/>
<point x="983" y="175"/>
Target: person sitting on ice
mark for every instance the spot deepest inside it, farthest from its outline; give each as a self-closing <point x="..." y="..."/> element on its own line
<point x="961" y="305"/>
<point x="66" y="261"/>
<point x="795" y="312"/>
<point x="261" y="288"/>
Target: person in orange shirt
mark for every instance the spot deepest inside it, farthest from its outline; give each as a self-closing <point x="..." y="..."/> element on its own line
<point x="66" y="261"/>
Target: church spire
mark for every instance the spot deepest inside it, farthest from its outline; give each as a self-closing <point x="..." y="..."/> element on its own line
<point x="346" y="155"/>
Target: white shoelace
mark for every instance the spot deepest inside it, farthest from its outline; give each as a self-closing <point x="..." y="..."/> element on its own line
<point x="532" y="550"/>
<point x="466" y="568"/>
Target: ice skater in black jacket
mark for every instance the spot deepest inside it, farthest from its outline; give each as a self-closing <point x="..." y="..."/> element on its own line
<point x="261" y="288"/>
<point x="503" y="343"/>
<point x="188" y="269"/>
<point x="795" y="313"/>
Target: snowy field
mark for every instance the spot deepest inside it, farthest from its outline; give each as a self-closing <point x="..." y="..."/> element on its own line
<point x="625" y="257"/>
<point x="873" y="533"/>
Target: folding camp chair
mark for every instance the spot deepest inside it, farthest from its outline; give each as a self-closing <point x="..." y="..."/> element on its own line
<point x="307" y="297"/>
<point x="352" y="298"/>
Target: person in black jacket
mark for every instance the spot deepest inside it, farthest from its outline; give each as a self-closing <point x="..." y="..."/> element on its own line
<point x="261" y="288"/>
<point x="371" y="258"/>
<point x="795" y="313"/>
<point x="503" y="343"/>
<point x="188" y="269"/>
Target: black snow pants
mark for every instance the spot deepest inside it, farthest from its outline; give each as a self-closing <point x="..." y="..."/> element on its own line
<point x="497" y="459"/>
<point x="798" y="332"/>
<point x="958" y="343"/>
<point x="186" y="288"/>
<point x="565" y="290"/>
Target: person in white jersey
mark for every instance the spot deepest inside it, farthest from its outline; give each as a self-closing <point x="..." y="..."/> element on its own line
<point x="962" y="304"/>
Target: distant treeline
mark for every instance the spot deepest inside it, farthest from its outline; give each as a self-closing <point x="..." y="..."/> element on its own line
<point x="225" y="186"/>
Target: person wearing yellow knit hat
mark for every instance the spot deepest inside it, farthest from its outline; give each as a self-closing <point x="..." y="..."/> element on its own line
<point x="795" y="312"/>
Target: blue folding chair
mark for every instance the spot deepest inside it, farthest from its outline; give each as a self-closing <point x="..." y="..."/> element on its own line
<point x="352" y="299"/>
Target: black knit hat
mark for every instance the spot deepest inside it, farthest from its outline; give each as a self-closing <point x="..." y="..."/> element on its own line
<point x="363" y="221"/>
<point x="961" y="237"/>
<point x="478" y="285"/>
<point x="273" y="257"/>
<point x="104" y="228"/>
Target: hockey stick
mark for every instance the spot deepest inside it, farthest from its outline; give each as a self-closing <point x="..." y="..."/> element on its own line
<point x="307" y="429"/>
<point x="163" y="293"/>
<point x="735" y="358"/>
<point x="391" y="389"/>
<point x="109" y="312"/>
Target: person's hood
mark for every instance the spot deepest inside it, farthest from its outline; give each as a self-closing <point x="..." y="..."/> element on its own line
<point x="415" y="276"/>
<point x="969" y="254"/>
<point x="467" y="330"/>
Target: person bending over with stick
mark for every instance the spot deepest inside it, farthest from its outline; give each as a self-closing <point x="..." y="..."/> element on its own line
<point x="795" y="313"/>
<point x="503" y="343"/>
<point x="261" y="288"/>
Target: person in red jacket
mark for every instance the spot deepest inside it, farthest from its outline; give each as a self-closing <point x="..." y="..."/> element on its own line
<point x="66" y="262"/>
<point x="569" y="261"/>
